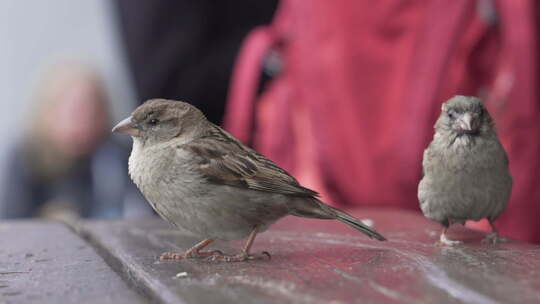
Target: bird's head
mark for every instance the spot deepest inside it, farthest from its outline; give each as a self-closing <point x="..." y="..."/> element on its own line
<point x="464" y="115"/>
<point x="160" y="120"/>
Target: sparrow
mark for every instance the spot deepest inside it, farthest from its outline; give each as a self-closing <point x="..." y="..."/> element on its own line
<point x="465" y="167"/>
<point x="201" y="179"/>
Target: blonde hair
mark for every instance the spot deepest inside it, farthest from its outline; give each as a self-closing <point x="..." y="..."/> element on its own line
<point x="43" y="156"/>
<point x="54" y="82"/>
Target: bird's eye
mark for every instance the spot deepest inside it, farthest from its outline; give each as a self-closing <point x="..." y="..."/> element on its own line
<point x="153" y="121"/>
<point x="451" y="115"/>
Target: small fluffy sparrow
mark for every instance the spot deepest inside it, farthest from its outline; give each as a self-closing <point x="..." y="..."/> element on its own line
<point x="201" y="179"/>
<point x="466" y="174"/>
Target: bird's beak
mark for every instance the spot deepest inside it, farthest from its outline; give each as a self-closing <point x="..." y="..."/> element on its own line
<point x="126" y="126"/>
<point x="465" y="122"/>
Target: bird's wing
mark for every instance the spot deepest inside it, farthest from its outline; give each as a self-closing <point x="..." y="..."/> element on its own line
<point x="222" y="159"/>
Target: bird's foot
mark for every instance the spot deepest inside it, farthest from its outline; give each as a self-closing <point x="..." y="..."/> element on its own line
<point x="444" y="241"/>
<point x="189" y="255"/>
<point x="494" y="238"/>
<point x="241" y="257"/>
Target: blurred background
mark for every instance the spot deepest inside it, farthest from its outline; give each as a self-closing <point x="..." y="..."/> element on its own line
<point x="62" y="65"/>
<point x="33" y="42"/>
<point x="69" y="70"/>
<point x="343" y="94"/>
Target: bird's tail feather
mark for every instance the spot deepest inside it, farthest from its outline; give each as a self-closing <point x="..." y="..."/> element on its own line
<point x="358" y="225"/>
<point x="325" y="211"/>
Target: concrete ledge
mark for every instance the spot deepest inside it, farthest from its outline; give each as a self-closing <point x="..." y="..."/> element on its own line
<point x="44" y="262"/>
<point x="316" y="261"/>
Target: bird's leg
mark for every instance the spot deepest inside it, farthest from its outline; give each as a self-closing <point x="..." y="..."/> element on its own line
<point x="244" y="255"/>
<point x="193" y="252"/>
<point x="493" y="237"/>
<point x="444" y="240"/>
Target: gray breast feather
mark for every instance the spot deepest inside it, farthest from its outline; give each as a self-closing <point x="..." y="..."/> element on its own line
<point x="461" y="184"/>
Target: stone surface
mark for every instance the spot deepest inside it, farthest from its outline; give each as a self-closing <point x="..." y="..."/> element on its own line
<point x="47" y="263"/>
<point x="317" y="261"/>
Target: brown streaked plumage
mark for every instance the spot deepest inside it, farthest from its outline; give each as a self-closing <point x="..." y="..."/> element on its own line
<point x="200" y="178"/>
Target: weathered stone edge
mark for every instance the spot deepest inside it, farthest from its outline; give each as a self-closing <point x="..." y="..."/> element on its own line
<point x="127" y="270"/>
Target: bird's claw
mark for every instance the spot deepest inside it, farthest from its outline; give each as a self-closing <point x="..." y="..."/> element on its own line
<point x="210" y="253"/>
<point x="445" y="241"/>
<point x="241" y="257"/>
<point x="172" y="256"/>
<point x="189" y="255"/>
<point x="266" y="253"/>
<point x="231" y="258"/>
<point x="493" y="238"/>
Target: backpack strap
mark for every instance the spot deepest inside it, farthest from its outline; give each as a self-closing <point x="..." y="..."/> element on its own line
<point x="240" y="112"/>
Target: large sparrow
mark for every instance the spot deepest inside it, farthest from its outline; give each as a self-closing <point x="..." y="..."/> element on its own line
<point x="199" y="178"/>
<point x="466" y="174"/>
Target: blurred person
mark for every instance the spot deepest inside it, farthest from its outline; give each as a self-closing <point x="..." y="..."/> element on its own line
<point x="358" y="86"/>
<point x="66" y="166"/>
<point x="185" y="50"/>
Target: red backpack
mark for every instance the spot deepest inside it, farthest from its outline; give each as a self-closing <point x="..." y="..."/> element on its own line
<point x="361" y="85"/>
